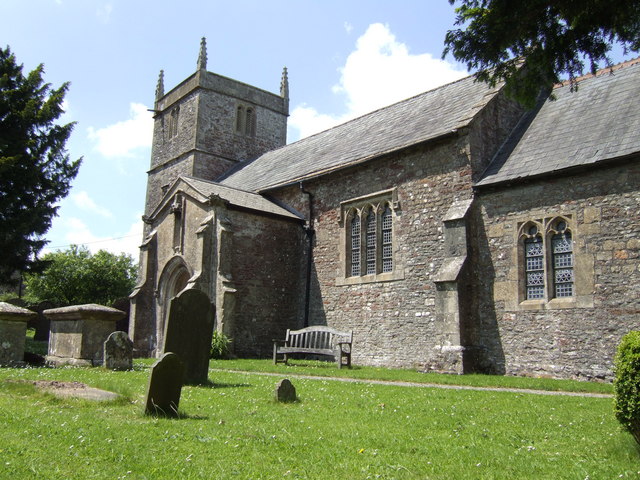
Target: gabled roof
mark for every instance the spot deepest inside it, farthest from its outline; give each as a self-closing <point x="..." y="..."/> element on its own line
<point x="599" y="122"/>
<point x="203" y="190"/>
<point x="425" y="117"/>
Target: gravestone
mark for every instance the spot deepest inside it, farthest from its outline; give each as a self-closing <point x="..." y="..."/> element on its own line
<point x="118" y="352"/>
<point x="13" y="331"/>
<point x="165" y="386"/>
<point x="188" y="333"/>
<point x="285" y="391"/>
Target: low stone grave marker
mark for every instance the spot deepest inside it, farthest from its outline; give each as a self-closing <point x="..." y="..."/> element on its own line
<point x="188" y="333"/>
<point x="285" y="391"/>
<point x="165" y="386"/>
<point x="78" y="333"/>
<point x="13" y="331"/>
<point x="118" y="352"/>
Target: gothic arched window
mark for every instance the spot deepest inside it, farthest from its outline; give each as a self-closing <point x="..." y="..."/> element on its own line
<point x="562" y="256"/>
<point x="371" y="242"/>
<point x="547" y="246"/>
<point x="387" y="240"/>
<point x="240" y="119"/>
<point x="354" y="237"/>
<point x="250" y="124"/>
<point x="369" y="238"/>
<point x="534" y="264"/>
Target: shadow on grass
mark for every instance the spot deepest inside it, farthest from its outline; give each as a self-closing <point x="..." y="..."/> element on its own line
<point x="180" y="415"/>
<point x="214" y="385"/>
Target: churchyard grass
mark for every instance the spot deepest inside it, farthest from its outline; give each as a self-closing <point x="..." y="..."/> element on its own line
<point x="233" y="428"/>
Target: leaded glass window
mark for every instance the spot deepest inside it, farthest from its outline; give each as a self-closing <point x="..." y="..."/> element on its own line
<point x="387" y="245"/>
<point x="534" y="266"/>
<point x="369" y="238"/>
<point x="355" y="246"/>
<point x="562" y="253"/>
<point x="371" y="243"/>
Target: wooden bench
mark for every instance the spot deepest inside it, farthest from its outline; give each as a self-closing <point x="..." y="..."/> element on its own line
<point x="316" y="340"/>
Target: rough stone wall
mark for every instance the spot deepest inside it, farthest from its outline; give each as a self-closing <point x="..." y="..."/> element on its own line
<point x="162" y="176"/>
<point x="266" y="257"/>
<point x="490" y="128"/>
<point x="393" y="321"/>
<point x="166" y="146"/>
<point x="559" y="338"/>
<point x="218" y="134"/>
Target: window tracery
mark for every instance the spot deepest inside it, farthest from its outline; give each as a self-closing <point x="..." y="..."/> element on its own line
<point x="369" y="237"/>
<point x="548" y="266"/>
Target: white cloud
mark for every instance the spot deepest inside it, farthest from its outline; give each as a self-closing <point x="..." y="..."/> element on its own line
<point x="79" y="233"/>
<point x="307" y="121"/>
<point x="348" y="27"/>
<point x="122" y="138"/>
<point x="84" y="202"/>
<point x="104" y="12"/>
<point x="379" y="72"/>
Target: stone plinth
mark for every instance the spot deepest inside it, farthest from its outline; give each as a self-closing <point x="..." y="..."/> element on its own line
<point x="77" y="333"/>
<point x="13" y="331"/>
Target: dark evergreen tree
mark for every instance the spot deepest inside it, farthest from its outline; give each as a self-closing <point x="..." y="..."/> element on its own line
<point x="35" y="170"/>
<point x="554" y="38"/>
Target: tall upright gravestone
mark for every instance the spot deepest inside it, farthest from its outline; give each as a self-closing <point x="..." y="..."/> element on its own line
<point x="165" y="386"/>
<point x="188" y="333"/>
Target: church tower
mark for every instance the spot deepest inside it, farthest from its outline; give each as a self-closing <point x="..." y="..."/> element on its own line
<point x="209" y="124"/>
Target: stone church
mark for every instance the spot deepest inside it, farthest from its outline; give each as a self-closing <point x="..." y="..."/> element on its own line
<point x="453" y="231"/>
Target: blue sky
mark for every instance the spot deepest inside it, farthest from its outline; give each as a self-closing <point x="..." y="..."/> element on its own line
<point x="344" y="57"/>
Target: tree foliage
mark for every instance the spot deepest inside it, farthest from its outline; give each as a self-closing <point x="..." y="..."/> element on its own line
<point x="627" y="383"/>
<point x="35" y="170"/>
<point x="553" y="37"/>
<point x="75" y="277"/>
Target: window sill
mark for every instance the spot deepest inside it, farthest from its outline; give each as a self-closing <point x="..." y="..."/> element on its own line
<point x="380" y="277"/>
<point x="553" y="304"/>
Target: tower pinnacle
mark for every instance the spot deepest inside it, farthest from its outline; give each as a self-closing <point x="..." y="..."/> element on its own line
<point x="160" y="86"/>
<point x="202" y="57"/>
<point x="284" y="84"/>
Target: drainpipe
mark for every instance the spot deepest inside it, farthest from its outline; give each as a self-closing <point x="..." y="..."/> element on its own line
<point x="308" y="228"/>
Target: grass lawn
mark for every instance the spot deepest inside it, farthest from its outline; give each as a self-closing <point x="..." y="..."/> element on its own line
<point x="234" y="429"/>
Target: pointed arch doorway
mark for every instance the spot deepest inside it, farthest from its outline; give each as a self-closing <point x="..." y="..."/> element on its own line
<point x="175" y="278"/>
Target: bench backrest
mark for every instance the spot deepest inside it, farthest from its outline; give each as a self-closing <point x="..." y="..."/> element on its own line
<point x="317" y="337"/>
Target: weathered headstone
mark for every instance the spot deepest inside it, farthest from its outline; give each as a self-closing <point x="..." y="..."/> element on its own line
<point x="285" y="391"/>
<point x="13" y="330"/>
<point x="118" y="352"/>
<point x="188" y="333"/>
<point x="165" y="386"/>
<point x="78" y="333"/>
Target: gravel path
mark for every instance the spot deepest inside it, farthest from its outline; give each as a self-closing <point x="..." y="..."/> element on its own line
<point x="425" y="385"/>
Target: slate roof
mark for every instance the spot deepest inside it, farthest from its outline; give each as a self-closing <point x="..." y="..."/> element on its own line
<point x="233" y="196"/>
<point x="424" y="117"/>
<point x="599" y="122"/>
